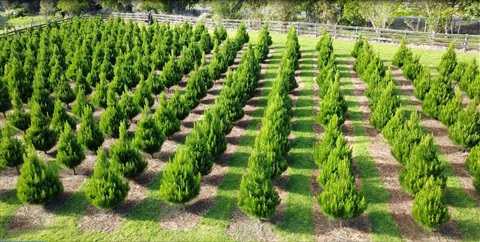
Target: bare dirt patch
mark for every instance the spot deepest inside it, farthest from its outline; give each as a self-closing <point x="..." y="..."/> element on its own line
<point x="30" y="216"/>
<point x="8" y="179"/>
<point x="244" y="228"/>
<point x="455" y="155"/>
<point x="400" y="203"/>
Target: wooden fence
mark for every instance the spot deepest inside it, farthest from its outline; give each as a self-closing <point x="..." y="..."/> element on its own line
<point x="463" y="42"/>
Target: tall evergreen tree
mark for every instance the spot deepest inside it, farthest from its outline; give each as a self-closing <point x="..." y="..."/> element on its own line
<point x="105" y="188"/>
<point x="37" y="183"/>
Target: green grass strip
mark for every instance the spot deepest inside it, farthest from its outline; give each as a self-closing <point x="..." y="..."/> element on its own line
<point x="384" y="227"/>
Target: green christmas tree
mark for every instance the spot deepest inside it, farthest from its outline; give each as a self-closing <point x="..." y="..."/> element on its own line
<point x="37" y="183"/>
<point x="142" y="94"/>
<point x="402" y="55"/>
<point x="5" y="102"/>
<point x="449" y="61"/>
<point x="70" y="152"/>
<point x="11" y="149"/>
<point x="429" y="209"/>
<point x="125" y="156"/>
<point x="332" y="104"/>
<point x="80" y="103"/>
<point x="165" y="117"/>
<point x="41" y="94"/>
<point x="128" y="105"/>
<point x="473" y="161"/>
<point x="341" y="200"/>
<point x="39" y="133"/>
<point x="113" y="115"/>
<point x="105" y="188"/>
<point x="60" y="117"/>
<point x="63" y="91"/>
<point x="89" y="134"/>
<point x="466" y="130"/>
<point x="441" y="91"/>
<point x="180" y="183"/>
<point x="148" y="136"/>
<point x="257" y="196"/>
<point x="448" y="114"/>
<point x="422" y="83"/>
<point x="19" y="118"/>
<point x="386" y="107"/>
<point x="394" y="125"/>
<point x="422" y="165"/>
<point x="99" y="97"/>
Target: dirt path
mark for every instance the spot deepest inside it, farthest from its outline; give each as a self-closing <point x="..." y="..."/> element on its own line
<point x="455" y="155"/>
<point x="400" y="204"/>
<point x="326" y="229"/>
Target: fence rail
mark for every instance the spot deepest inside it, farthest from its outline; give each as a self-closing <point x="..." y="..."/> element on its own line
<point x="462" y="41"/>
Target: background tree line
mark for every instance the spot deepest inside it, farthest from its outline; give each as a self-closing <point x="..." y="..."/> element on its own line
<point x="436" y="14"/>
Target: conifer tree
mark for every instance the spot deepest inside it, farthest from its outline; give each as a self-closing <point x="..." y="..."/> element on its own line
<point x="5" y="101"/>
<point x="128" y="105"/>
<point x="448" y="114"/>
<point x="125" y="156"/>
<point x="196" y="144"/>
<point x="165" y="117"/>
<point x="341" y="200"/>
<point x="142" y="94"/>
<point x="422" y="165"/>
<point x="19" y="118"/>
<point x="357" y="46"/>
<point x="178" y="104"/>
<point x="41" y="94"/>
<point x="63" y="91"/>
<point x="449" y="61"/>
<point x="468" y="78"/>
<point x="402" y="55"/>
<point x="148" y="136"/>
<point x="105" y="188"/>
<point x="386" y="107"/>
<point x="473" y="161"/>
<point x="155" y="83"/>
<point x="406" y="138"/>
<point x="180" y="183"/>
<point x="422" y="83"/>
<point x="332" y="104"/>
<point x="441" y="91"/>
<point x="323" y="147"/>
<point x="89" y="134"/>
<point x="60" y="116"/>
<point x="37" y="183"/>
<point x="466" y="129"/>
<point x="257" y="196"/>
<point x="429" y="209"/>
<point x="412" y="68"/>
<point x="394" y="125"/>
<point x="99" y="97"/>
<point x="70" y="152"/>
<point x="113" y="115"/>
<point x="16" y="79"/>
<point x="39" y="133"/>
<point x="11" y="149"/>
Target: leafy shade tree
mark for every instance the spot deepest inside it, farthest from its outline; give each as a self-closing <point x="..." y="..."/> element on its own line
<point x="89" y="134"/>
<point x="449" y="61"/>
<point x="19" y="118"/>
<point x="165" y="117"/>
<point x="105" y="188"/>
<point x="39" y="133"/>
<point x="73" y="6"/>
<point x="148" y="136"/>
<point x="429" y="209"/>
<point x="125" y="156"/>
<point x="333" y="104"/>
<point x="11" y="149"/>
<point x="70" y="151"/>
<point x="257" y="196"/>
<point x="5" y="101"/>
<point x="386" y="107"/>
<point x="37" y="183"/>
<point x="180" y="183"/>
<point x="466" y="130"/>
<point x="422" y="166"/>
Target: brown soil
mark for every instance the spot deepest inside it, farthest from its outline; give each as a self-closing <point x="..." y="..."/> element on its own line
<point x="243" y="228"/>
<point x="8" y="179"/>
<point x="455" y="155"/>
<point x="400" y="203"/>
<point x="31" y="216"/>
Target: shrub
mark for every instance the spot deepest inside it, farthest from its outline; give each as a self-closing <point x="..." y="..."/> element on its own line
<point x="143" y="94"/>
<point x="441" y="91"/>
<point x="422" y="165"/>
<point x="89" y="134"/>
<point x="60" y="117"/>
<point x="459" y="71"/>
<point x="63" y="91"/>
<point x="473" y="161"/>
<point x="70" y="152"/>
<point x="5" y="102"/>
<point x="179" y="104"/>
<point x="99" y="97"/>
<point x="148" y="136"/>
<point x="468" y="78"/>
<point x="196" y="144"/>
<point x="41" y="95"/>
<point x="180" y="183"/>
<point x="341" y="200"/>
<point x="322" y="148"/>
<point x="407" y="138"/>
<point x="412" y="69"/>
<point x="448" y="114"/>
<point x="80" y="103"/>
<point x="358" y="46"/>
<point x="105" y="188"/>
<point x="474" y="90"/>
<point x="113" y="115"/>
<point x="394" y="125"/>
<point x="466" y="130"/>
<point x="422" y="83"/>
<point x="257" y="196"/>
<point x="11" y="149"/>
<point x="429" y="209"/>
<point x="165" y="117"/>
<point x="155" y="83"/>
<point x="18" y="118"/>
<point x="39" y="134"/>
<point x="128" y="105"/>
<point x="37" y="183"/>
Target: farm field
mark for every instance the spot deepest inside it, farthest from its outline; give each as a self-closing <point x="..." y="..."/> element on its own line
<point x="214" y="213"/>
